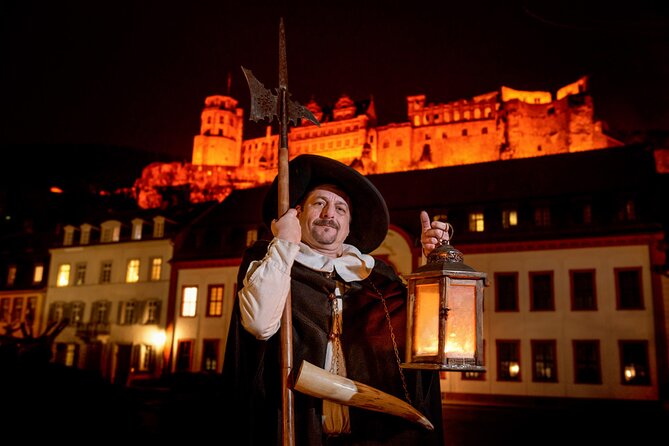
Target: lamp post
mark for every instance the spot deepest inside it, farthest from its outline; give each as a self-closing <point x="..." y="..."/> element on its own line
<point x="445" y="313"/>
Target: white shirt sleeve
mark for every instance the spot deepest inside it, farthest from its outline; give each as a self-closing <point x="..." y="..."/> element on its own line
<point x="265" y="288"/>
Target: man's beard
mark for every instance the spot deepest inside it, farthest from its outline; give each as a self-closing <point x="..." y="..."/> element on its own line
<point x="328" y="237"/>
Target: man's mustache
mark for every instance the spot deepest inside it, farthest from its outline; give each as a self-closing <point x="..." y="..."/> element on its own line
<point x="326" y="222"/>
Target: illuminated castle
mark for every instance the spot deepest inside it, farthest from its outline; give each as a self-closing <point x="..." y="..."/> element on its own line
<point x="495" y="126"/>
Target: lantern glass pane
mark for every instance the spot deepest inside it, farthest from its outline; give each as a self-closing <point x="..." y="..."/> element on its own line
<point x="426" y="320"/>
<point x="461" y="320"/>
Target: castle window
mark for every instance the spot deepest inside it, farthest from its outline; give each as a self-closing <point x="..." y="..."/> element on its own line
<point x="627" y="212"/>
<point x="427" y="137"/>
<point x="427" y="154"/>
<point x="447" y="117"/>
<point x="477" y="113"/>
<point x="467" y="115"/>
<point x="539" y="148"/>
<point x="221" y="120"/>
<point x="444" y="135"/>
<point x="487" y="112"/>
<point x="484" y="131"/>
<point x="386" y="144"/>
<point x="464" y="132"/>
<point x="551" y="111"/>
<point x="398" y="143"/>
<point x="416" y="121"/>
<point x="456" y="115"/>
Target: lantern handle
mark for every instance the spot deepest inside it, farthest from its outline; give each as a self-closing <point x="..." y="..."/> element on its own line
<point x="447" y="234"/>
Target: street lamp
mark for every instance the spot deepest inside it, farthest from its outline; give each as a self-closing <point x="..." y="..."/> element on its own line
<point x="445" y="313"/>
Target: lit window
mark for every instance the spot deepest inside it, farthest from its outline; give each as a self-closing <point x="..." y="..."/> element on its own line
<point x="38" y="273"/>
<point x="132" y="271"/>
<point x="189" y="301"/>
<point x="215" y="301"/>
<point x="508" y="360"/>
<point x="156" y="268"/>
<point x="544" y="361"/>
<point x="476" y="222"/>
<point x="70" y="355"/>
<point x="509" y="218"/>
<point x="634" y="362"/>
<point x="209" y="355"/>
<point x="63" y="278"/>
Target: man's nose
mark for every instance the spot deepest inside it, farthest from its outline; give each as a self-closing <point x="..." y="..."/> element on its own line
<point x="328" y="211"/>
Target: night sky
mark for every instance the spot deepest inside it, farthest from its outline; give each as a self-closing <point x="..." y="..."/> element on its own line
<point x="135" y="74"/>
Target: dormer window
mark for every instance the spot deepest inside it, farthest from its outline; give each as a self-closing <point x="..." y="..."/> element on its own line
<point x="111" y="231"/>
<point x="158" y="227"/>
<point x="68" y="237"/>
<point x="85" y="236"/>
<point x="137" y="229"/>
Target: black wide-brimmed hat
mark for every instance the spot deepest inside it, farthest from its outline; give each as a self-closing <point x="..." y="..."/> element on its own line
<point x="369" y="213"/>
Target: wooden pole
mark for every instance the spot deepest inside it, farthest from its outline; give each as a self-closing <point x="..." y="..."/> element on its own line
<point x="286" y="331"/>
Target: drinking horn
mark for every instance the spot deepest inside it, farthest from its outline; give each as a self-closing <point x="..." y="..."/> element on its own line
<point x="317" y="382"/>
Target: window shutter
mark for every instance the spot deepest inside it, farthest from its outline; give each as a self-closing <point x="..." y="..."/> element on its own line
<point x="120" y="313"/>
<point x="140" y="310"/>
<point x="52" y="312"/>
<point x="134" y="360"/>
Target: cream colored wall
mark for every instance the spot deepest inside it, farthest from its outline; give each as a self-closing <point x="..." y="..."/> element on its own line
<point x="116" y="292"/>
<point x="201" y="327"/>
<point x="607" y="324"/>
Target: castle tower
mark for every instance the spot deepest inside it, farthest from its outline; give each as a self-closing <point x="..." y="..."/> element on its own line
<point x="220" y="140"/>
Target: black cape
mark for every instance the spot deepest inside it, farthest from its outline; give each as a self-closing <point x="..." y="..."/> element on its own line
<point x="252" y="372"/>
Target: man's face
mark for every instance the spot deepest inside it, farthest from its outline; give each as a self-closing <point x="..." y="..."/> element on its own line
<point x="325" y="217"/>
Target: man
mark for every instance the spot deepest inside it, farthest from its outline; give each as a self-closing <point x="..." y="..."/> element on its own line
<point x="348" y="314"/>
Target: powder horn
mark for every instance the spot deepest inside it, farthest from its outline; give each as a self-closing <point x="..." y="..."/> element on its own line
<point x="317" y="382"/>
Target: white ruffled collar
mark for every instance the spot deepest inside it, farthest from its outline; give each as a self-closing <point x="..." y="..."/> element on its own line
<point x="352" y="265"/>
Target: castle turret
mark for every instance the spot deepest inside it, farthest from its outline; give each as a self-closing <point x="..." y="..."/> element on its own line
<point x="220" y="139"/>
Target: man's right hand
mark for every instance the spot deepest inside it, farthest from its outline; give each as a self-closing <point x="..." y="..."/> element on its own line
<point x="288" y="227"/>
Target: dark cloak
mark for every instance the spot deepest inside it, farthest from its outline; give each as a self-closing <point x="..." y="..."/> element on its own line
<point x="252" y="372"/>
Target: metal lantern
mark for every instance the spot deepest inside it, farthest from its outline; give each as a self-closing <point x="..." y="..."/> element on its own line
<point x="445" y="313"/>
